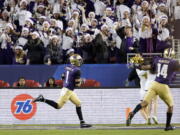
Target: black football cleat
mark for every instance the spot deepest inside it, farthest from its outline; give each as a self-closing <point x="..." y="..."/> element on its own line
<point x="40" y="98"/>
<point x="128" y="121"/>
<point x="169" y="128"/>
<point x="84" y="125"/>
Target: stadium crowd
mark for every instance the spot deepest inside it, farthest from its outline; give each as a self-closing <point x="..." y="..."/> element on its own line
<point x="101" y="31"/>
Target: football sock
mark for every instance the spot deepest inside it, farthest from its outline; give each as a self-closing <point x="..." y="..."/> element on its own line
<point x="51" y="103"/>
<point x="137" y="108"/>
<point x="79" y="113"/>
<point x="168" y="119"/>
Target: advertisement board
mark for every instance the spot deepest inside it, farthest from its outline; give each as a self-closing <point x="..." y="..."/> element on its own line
<point x="99" y="106"/>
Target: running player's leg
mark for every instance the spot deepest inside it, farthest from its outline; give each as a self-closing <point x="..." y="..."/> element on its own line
<point x="154" y="109"/>
<point x="52" y="103"/>
<point x="76" y="101"/>
<point x="166" y="96"/>
<point x="64" y="97"/>
<point x="148" y="97"/>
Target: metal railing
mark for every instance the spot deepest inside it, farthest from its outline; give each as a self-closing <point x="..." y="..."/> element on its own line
<point x="146" y="55"/>
<point x="176" y="47"/>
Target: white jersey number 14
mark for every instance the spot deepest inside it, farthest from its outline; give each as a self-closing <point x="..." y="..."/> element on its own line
<point x="162" y="70"/>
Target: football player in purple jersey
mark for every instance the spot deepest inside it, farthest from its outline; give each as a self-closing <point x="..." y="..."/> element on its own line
<point x="72" y="79"/>
<point x="164" y="66"/>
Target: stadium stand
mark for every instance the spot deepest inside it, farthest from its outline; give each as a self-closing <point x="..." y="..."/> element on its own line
<point x="28" y="83"/>
<point x="4" y="84"/>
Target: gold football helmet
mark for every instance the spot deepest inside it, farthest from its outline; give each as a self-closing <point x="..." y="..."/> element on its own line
<point x="137" y="59"/>
<point x="169" y="53"/>
<point x="76" y="60"/>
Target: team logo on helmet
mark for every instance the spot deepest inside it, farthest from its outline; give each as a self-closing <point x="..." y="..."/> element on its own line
<point x="137" y="59"/>
<point x="169" y="53"/>
<point x="76" y="60"/>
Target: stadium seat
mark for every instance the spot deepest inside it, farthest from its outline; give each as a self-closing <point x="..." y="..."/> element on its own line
<point x="29" y="83"/>
<point x="59" y="83"/>
<point x="91" y="83"/>
<point x="4" y="84"/>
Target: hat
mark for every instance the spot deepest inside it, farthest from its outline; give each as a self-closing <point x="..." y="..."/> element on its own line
<point x="76" y="12"/>
<point x="40" y="6"/>
<point x="92" y="14"/>
<point x="104" y="26"/>
<point x="25" y="29"/>
<point x="18" y="47"/>
<point x="54" y="36"/>
<point x="10" y="26"/>
<point x="87" y="35"/>
<point x="85" y="25"/>
<point x="46" y="22"/>
<point x="146" y="17"/>
<point x="145" y="2"/>
<point x="35" y="33"/>
<point x="68" y="29"/>
<point x="109" y="8"/>
<point x="162" y="5"/>
<point x="163" y="17"/>
<point x="70" y="51"/>
<point x="43" y="17"/>
<point x="23" y="1"/>
<point x="30" y="20"/>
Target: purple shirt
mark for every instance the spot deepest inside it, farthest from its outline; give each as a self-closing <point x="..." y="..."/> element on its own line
<point x="71" y="74"/>
<point x="165" y="68"/>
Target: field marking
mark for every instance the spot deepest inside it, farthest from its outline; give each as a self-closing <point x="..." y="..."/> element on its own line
<point x="17" y="127"/>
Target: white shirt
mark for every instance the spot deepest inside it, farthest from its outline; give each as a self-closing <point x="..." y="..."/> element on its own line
<point x="141" y="74"/>
<point x="99" y="7"/>
<point x="67" y="42"/>
<point x="163" y="35"/>
<point x="177" y="12"/>
<point x="145" y="34"/>
<point x="23" y="15"/>
<point x="120" y="11"/>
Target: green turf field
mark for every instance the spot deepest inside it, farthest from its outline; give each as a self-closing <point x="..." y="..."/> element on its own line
<point x="88" y="132"/>
<point x="73" y="129"/>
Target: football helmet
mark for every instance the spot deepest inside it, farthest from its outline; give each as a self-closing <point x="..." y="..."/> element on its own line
<point x="137" y="59"/>
<point x="169" y="53"/>
<point x="76" y="60"/>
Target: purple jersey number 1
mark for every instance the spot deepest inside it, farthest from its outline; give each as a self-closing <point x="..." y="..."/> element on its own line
<point x="162" y="70"/>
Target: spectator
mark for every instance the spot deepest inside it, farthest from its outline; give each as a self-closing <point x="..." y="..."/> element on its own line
<point x="129" y="44"/>
<point x="87" y="49"/>
<point x="54" y="52"/>
<point x="71" y="20"/>
<point x="51" y="83"/>
<point x="100" y="49"/>
<point x="19" y="56"/>
<point x="6" y="46"/>
<point x="163" y="36"/>
<point x="36" y="50"/>
<point x="21" y="82"/>
<point x="23" y="39"/>
<point x="145" y="33"/>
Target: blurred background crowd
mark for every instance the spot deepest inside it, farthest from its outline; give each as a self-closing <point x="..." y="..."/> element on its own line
<point x="101" y="31"/>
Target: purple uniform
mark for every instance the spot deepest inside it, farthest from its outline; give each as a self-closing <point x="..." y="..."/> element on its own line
<point x="71" y="74"/>
<point x="165" y="68"/>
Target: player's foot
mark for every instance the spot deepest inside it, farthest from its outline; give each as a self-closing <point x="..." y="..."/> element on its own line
<point x="149" y="121"/>
<point x="154" y="118"/>
<point x="128" y="121"/>
<point x="169" y="128"/>
<point x="84" y="125"/>
<point x="40" y="98"/>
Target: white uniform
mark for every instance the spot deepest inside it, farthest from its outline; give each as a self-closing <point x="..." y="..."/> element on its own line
<point x="142" y="76"/>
